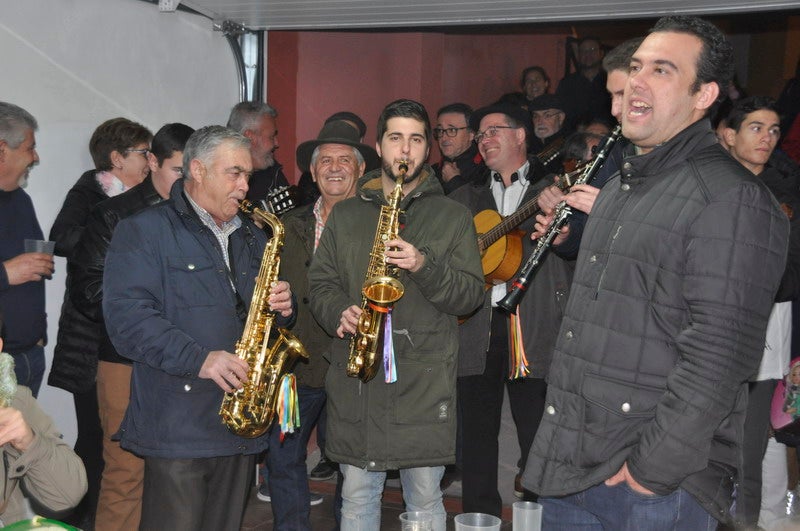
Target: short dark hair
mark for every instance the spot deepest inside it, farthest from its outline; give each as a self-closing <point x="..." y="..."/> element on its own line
<point x="169" y="139"/>
<point x="404" y="109"/>
<point x="530" y="69"/>
<point x="619" y="58"/>
<point x="116" y="134"/>
<point x="715" y="62"/>
<point x="748" y="105"/>
<point x="457" y="108"/>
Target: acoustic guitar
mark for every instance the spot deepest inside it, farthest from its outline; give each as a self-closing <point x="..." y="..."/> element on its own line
<point x="499" y="240"/>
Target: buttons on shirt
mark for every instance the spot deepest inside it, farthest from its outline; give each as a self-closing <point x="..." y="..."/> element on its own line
<point x="626" y="407"/>
<point x="190" y="267"/>
<point x="625" y="187"/>
<point x="187" y="387"/>
<point x="551" y="410"/>
<point x="569" y="334"/>
<point x="593" y="259"/>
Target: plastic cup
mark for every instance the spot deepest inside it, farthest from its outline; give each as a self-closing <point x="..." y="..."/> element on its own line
<point x="477" y="521"/>
<point x="527" y="516"/>
<point x="40" y="246"/>
<point x="416" y="521"/>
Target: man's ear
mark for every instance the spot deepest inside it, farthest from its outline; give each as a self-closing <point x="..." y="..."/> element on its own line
<point x="3" y="150"/>
<point x="709" y="92"/>
<point x="152" y="161"/>
<point x="729" y="136"/>
<point x="197" y="170"/>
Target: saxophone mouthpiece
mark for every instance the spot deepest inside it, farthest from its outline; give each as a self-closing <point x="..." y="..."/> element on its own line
<point x="403" y="166"/>
<point x="246" y="206"/>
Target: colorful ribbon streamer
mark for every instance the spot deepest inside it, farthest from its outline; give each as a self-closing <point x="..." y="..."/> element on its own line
<point x="288" y="408"/>
<point x="518" y="366"/>
<point x="389" y="367"/>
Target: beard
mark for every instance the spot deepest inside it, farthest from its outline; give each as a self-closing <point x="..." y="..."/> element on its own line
<point x="388" y="169"/>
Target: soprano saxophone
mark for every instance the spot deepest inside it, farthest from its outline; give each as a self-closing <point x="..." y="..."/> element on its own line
<point x="380" y="291"/>
<point x="270" y="354"/>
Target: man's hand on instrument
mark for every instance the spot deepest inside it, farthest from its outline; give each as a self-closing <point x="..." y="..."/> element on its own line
<point x="348" y="321"/>
<point x="543" y="223"/>
<point x="280" y="298"/>
<point x="549" y="198"/>
<point x="582" y="197"/>
<point x="404" y="255"/>
<point x="227" y="370"/>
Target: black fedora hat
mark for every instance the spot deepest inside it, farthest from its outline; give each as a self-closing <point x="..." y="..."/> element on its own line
<point x="336" y="132"/>
<point x="509" y="109"/>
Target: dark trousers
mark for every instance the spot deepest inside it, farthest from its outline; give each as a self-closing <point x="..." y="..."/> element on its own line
<point x="481" y="399"/>
<point x="288" y="478"/>
<point x="756" y="436"/>
<point x="89" y="447"/>
<point x="201" y="494"/>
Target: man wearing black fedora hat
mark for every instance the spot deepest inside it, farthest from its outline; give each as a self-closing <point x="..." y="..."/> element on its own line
<point x="549" y="131"/>
<point x="336" y="159"/>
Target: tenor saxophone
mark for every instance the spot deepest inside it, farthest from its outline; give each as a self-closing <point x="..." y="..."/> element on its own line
<point x="380" y="291"/>
<point x="270" y="354"/>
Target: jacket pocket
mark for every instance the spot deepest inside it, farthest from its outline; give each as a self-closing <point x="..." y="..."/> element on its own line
<point x="424" y="392"/>
<point x="614" y="412"/>
<point x="345" y="400"/>
<point x="188" y="280"/>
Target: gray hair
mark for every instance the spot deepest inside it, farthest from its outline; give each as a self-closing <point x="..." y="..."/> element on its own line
<point x="356" y="152"/>
<point x="14" y="123"/>
<point x="244" y="115"/>
<point x="204" y="142"/>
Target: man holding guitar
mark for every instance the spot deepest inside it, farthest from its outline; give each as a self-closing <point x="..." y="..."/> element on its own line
<point x="491" y="353"/>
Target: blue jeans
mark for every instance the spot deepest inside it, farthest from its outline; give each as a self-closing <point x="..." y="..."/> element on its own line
<point x="362" y="489"/>
<point x="619" y="508"/>
<point x="286" y="461"/>
<point x="29" y="367"/>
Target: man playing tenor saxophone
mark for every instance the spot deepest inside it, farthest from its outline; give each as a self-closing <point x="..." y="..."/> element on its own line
<point x="178" y="280"/>
<point x="404" y="418"/>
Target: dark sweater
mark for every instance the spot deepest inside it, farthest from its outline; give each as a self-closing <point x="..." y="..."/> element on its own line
<point x="21" y="306"/>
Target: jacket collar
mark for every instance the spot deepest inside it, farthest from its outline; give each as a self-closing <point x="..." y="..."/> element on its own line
<point x="697" y="136"/>
<point x="370" y="187"/>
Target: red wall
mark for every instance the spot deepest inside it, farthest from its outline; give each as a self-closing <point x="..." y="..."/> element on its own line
<point x="311" y="75"/>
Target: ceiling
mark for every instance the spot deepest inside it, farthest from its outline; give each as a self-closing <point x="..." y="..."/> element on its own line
<point x="413" y="14"/>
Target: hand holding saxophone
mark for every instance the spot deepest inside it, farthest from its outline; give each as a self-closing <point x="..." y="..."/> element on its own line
<point x="280" y="298"/>
<point x="404" y="255"/>
<point x="227" y="370"/>
<point x="348" y="322"/>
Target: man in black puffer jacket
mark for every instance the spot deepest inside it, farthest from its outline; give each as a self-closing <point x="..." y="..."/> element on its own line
<point x="678" y="267"/>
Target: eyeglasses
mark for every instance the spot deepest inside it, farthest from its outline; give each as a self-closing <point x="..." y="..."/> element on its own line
<point x="546" y="115"/>
<point x="143" y="151"/>
<point x="450" y="131"/>
<point x="490" y="132"/>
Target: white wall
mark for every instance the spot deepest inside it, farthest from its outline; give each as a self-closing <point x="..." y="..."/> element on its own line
<point x="74" y="64"/>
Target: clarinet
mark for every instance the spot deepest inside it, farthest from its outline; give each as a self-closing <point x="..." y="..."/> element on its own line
<point x="562" y="213"/>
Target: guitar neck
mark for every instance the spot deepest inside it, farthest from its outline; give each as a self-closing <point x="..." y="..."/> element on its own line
<point x="525" y="211"/>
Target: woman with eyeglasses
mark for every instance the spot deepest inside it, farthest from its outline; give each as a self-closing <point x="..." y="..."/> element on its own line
<point x="119" y="150"/>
